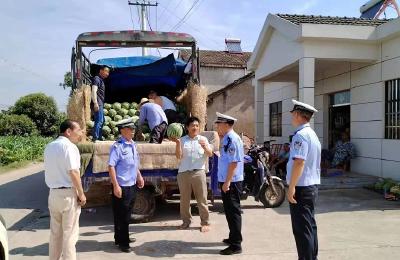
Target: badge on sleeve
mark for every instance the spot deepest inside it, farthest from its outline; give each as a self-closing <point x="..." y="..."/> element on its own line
<point x="231" y="150"/>
<point x="297" y="145"/>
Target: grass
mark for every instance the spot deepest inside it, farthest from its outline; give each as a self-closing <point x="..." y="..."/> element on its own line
<point x="18" y="151"/>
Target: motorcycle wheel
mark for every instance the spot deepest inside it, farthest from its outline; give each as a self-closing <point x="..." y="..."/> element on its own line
<point x="267" y="196"/>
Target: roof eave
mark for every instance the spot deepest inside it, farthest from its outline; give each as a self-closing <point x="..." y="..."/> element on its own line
<point x="272" y="22"/>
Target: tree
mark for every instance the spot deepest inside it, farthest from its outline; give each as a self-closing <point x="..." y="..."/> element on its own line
<point x="42" y="110"/>
<point x="67" y="80"/>
<point x="20" y="125"/>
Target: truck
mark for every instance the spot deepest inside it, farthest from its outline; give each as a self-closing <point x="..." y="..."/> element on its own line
<point x="131" y="78"/>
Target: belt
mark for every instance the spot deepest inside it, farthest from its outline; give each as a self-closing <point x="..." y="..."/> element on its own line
<point x="62" y="188"/>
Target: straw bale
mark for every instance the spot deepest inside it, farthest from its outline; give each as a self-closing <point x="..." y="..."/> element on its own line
<point x="197" y="104"/>
<point x="78" y="108"/>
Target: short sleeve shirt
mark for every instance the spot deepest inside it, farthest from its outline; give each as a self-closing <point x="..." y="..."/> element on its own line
<point x="231" y="151"/>
<point x="305" y="146"/>
<point x="101" y="89"/>
<point x="60" y="157"/>
<point x="193" y="155"/>
<point x="125" y="158"/>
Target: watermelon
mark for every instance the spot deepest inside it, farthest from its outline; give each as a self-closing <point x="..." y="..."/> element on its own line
<point x="134" y="105"/>
<point x="125" y="105"/>
<point x="115" y="130"/>
<point x="131" y="112"/>
<point x="117" y="118"/>
<point x="106" y="130"/>
<point x="117" y="106"/>
<point x="89" y="124"/>
<point x="112" y="112"/>
<point x="107" y="106"/>
<point x="135" y="119"/>
<point x="105" y="111"/>
<point x="147" y="137"/>
<point x="145" y="129"/>
<point x="123" y="112"/>
<point x="127" y="117"/>
<point x="111" y="137"/>
<point x="175" y="130"/>
<point x="107" y="119"/>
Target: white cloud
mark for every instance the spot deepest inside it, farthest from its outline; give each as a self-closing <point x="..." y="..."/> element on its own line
<point x="305" y="7"/>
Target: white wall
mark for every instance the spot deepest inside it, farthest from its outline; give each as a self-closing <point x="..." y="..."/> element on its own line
<point x="216" y="78"/>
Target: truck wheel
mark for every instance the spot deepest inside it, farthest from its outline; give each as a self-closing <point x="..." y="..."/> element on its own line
<point x="144" y="207"/>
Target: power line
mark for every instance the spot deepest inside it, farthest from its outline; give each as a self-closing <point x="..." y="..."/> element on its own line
<point x="133" y="24"/>
<point x="184" y="17"/>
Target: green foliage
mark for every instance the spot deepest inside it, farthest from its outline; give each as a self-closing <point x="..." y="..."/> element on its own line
<point x="19" y="149"/>
<point x="42" y="110"/>
<point x="67" y="80"/>
<point x="20" y="125"/>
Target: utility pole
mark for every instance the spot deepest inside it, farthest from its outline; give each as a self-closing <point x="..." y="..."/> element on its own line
<point x="143" y="26"/>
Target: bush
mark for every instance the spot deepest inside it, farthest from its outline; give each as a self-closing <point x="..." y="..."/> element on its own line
<point x="41" y="109"/>
<point x="20" y="125"/>
<point x="18" y="149"/>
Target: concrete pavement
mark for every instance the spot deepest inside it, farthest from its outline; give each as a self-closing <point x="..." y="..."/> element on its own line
<point x="353" y="224"/>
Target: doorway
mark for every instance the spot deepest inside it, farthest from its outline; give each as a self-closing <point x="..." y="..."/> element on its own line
<point x="339" y="116"/>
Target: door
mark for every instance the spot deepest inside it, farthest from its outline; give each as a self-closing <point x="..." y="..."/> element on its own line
<point x="339" y="116"/>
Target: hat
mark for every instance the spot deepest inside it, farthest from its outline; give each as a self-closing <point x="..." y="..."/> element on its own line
<point x="221" y="118"/>
<point x="126" y="123"/>
<point x="300" y="106"/>
<point x="143" y="101"/>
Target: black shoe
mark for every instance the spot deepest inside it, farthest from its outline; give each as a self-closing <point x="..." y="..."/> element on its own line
<point x="131" y="240"/>
<point x="230" y="251"/>
<point x="226" y="241"/>
<point x="125" y="249"/>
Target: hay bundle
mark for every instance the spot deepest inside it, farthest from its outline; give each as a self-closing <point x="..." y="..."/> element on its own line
<point x="195" y="99"/>
<point x="78" y="108"/>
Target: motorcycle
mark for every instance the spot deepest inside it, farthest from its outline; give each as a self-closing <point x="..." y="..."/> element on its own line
<point x="258" y="180"/>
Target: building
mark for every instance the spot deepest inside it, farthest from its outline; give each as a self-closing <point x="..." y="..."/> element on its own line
<point x="220" y="68"/>
<point x="237" y="100"/>
<point x="348" y="68"/>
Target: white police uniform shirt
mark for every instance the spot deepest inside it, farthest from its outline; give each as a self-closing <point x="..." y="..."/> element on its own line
<point x="231" y="150"/>
<point x="305" y="145"/>
<point x="60" y="157"/>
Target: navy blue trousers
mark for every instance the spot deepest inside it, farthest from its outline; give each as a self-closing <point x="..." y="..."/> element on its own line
<point x="303" y="222"/>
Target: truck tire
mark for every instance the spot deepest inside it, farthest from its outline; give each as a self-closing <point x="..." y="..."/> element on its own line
<point x="144" y="206"/>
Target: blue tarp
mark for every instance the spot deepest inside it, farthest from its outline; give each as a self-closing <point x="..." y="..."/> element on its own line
<point x="129" y="81"/>
<point x="122" y="62"/>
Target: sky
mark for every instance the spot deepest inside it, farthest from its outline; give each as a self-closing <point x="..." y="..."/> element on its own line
<point x="37" y="36"/>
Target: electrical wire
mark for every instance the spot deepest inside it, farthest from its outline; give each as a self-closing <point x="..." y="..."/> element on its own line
<point x="184" y="17"/>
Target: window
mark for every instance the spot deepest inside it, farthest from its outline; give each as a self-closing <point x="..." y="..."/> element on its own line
<point x="275" y="119"/>
<point x="392" y="109"/>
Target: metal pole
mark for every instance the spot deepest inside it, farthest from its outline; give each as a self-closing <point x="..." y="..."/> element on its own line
<point x="143" y="26"/>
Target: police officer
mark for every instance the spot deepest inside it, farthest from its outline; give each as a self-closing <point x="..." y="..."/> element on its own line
<point x="303" y="176"/>
<point x="125" y="177"/>
<point x="230" y="177"/>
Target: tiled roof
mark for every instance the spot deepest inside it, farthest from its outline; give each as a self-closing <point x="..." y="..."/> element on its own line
<point x="219" y="58"/>
<point x="232" y="85"/>
<point x="311" y="19"/>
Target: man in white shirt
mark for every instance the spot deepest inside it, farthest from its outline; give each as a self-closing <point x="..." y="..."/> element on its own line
<point x="62" y="176"/>
<point x="193" y="151"/>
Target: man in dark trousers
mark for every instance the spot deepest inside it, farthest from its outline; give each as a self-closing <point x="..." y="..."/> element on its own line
<point x="230" y="178"/>
<point x="97" y="104"/>
<point x="303" y="176"/>
<point x="155" y="117"/>
<point x="125" y="178"/>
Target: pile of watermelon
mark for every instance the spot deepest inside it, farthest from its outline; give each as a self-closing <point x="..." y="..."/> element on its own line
<point x="113" y="113"/>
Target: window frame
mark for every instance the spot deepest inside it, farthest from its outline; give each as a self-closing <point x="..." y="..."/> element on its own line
<point x="392" y="109"/>
<point x="275" y="119"/>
